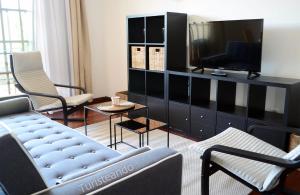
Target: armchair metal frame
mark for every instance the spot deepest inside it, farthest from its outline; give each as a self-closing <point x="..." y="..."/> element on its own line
<point x="209" y="167"/>
<point x="67" y="110"/>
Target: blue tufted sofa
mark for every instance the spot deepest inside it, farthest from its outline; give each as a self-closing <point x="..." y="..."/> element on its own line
<point x="41" y="156"/>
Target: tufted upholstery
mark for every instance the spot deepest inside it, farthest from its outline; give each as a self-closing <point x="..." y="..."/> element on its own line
<point x="60" y="153"/>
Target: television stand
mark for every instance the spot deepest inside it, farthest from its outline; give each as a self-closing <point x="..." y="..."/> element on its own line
<point x="252" y="75"/>
<point x="219" y="73"/>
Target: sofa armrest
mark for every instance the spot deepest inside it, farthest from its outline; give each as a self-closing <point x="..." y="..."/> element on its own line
<point x="157" y="171"/>
<point x="14" y="106"/>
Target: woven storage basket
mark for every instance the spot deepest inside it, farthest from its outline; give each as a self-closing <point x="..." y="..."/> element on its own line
<point x="157" y="58"/>
<point x="138" y="57"/>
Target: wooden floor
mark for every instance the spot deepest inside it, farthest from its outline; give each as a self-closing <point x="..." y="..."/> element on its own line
<point x="293" y="181"/>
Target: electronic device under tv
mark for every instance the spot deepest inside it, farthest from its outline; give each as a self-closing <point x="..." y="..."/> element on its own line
<point x="227" y="45"/>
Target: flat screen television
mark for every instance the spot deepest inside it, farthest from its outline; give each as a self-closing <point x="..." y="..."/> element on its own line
<point x="230" y="45"/>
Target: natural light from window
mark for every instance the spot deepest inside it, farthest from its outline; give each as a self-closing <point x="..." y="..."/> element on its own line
<point x="16" y="34"/>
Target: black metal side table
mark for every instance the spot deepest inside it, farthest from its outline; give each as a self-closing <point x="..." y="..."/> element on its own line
<point x="139" y="126"/>
<point x="110" y="115"/>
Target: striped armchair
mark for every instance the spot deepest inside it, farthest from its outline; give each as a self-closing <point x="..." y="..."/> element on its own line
<point x="31" y="79"/>
<point x="253" y="162"/>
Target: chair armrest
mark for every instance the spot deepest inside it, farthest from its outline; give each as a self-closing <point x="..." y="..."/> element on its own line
<point x="274" y="128"/>
<point x="252" y="156"/>
<point x="71" y="87"/>
<point x="14" y="105"/>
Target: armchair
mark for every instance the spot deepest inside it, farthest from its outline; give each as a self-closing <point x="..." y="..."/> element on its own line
<point x="27" y="70"/>
<point x="253" y="162"/>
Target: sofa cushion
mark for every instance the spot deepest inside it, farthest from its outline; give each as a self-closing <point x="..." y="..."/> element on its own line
<point x="59" y="151"/>
<point x="106" y="163"/>
<point x="18" y="172"/>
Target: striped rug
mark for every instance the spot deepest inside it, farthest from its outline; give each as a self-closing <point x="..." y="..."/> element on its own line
<point x="220" y="184"/>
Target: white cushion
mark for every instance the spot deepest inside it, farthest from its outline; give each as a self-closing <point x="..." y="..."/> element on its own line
<point x="71" y="101"/>
<point x="253" y="172"/>
<point x="28" y="68"/>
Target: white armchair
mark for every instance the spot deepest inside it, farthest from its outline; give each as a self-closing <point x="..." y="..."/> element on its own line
<point x="253" y="162"/>
<point x="31" y="79"/>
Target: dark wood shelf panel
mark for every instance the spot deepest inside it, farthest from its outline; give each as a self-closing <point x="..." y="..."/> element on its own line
<point x="156" y="44"/>
<point x="269" y="117"/>
<point x="177" y="99"/>
<point x="238" y="77"/>
<point x="236" y="110"/>
<point x="211" y="105"/>
<point x="156" y="95"/>
<point x="136" y="43"/>
<point x="138" y="69"/>
<point x="156" y="71"/>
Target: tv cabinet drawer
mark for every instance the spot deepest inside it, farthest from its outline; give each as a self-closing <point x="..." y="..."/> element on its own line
<point x="201" y="131"/>
<point x="203" y="116"/>
<point x="225" y="120"/>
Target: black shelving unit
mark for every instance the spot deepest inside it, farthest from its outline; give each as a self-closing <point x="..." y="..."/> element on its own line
<point x="207" y="117"/>
<point x="155" y="30"/>
<point x="182" y="98"/>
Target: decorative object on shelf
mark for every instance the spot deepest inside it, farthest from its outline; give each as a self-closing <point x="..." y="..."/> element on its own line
<point x="138" y="57"/>
<point x="156" y="58"/>
<point x="115" y="100"/>
<point x="109" y="107"/>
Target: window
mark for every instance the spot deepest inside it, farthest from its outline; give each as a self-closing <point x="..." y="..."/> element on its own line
<point x="16" y="34"/>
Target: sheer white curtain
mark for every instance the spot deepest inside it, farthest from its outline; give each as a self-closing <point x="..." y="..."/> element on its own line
<point x="51" y="38"/>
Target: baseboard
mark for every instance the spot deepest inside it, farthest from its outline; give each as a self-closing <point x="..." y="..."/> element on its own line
<point x="100" y="100"/>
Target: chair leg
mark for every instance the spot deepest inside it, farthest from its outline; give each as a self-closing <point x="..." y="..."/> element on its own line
<point x="65" y="117"/>
<point x="205" y="178"/>
<point x="86" y="113"/>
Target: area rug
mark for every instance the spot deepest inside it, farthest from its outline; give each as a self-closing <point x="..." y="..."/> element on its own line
<point x="220" y="183"/>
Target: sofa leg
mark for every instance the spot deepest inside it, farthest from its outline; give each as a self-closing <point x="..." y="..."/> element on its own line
<point x="205" y="178"/>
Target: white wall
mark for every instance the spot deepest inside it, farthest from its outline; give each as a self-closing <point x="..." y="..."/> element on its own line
<point x="107" y="26"/>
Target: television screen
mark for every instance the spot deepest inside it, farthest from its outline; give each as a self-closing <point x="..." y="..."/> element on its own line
<point x="231" y="45"/>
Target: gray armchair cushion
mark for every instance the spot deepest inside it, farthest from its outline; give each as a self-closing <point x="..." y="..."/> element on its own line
<point x="14" y="106"/>
<point x="17" y="172"/>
